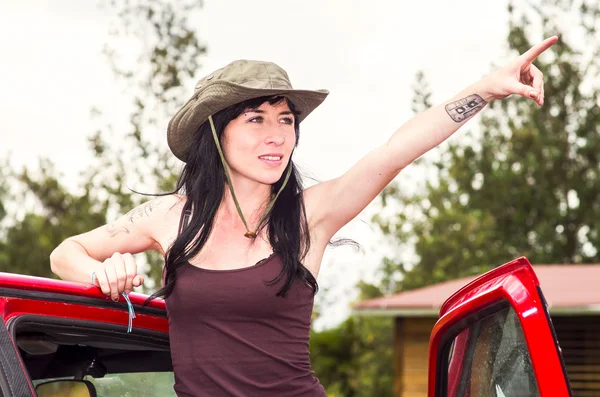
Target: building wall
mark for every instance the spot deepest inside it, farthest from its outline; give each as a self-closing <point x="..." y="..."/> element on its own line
<point x="579" y="340"/>
<point x="411" y="350"/>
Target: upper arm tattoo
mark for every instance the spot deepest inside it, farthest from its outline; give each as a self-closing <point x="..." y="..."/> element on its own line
<point x="143" y="210"/>
<point x="135" y="214"/>
<point x="113" y="229"/>
<point x="464" y="108"/>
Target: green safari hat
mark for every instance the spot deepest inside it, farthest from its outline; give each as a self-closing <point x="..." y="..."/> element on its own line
<point x="239" y="81"/>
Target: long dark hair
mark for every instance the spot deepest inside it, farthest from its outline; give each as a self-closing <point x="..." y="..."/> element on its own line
<point x="203" y="182"/>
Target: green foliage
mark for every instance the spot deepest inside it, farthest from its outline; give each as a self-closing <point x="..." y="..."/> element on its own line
<point x="4" y="190"/>
<point x="421" y="93"/>
<point x="28" y="242"/>
<point x="168" y="56"/>
<point x="527" y="182"/>
<point x="355" y="358"/>
<point x="46" y="211"/>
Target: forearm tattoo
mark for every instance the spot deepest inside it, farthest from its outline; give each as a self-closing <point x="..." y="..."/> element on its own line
<point x="464" y="108"/>
<point x="133" y="215"/>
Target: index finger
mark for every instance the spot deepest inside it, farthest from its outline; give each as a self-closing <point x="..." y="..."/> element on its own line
<point x="535" y="51"/>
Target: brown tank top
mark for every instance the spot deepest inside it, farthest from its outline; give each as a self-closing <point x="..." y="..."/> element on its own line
<point x="232" y="336"/>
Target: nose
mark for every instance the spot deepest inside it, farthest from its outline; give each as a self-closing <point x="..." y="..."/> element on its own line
<point x="275" y="138"/>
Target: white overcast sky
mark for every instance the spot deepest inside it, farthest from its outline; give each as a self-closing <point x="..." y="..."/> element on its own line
<point x="365" y="52"/>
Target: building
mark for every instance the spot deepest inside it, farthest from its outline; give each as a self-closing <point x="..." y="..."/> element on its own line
<point x="573" y="295"/>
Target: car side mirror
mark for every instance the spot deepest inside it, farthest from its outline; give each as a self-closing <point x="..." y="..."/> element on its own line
<point x="66" y="388"/>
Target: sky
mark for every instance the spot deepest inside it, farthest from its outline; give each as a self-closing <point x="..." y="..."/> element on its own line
<point x="365" y="52"/>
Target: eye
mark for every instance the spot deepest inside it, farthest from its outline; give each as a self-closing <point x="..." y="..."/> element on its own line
<point x="257" y="119"/>
<point x="287" y="120"/>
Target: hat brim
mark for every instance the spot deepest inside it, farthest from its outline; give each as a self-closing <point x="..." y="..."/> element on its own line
<point x="220" y="95"/>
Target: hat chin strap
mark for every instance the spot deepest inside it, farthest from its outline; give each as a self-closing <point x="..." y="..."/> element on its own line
<point x="248" y="233"/>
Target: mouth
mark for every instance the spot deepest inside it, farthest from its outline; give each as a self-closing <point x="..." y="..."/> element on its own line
<point x="272" y="159"/>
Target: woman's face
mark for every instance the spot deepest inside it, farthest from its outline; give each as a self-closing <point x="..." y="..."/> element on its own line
<point x="259" y="142"/>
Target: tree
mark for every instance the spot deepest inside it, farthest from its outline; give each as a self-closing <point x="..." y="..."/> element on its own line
<point x="27" y="243"/>
<point x="528" y="183"/>
<point x="168" y="56"/>
<point x="354" y="359"/>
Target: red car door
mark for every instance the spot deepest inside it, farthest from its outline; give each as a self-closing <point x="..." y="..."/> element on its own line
<point x="52" y="329"/>
<point x="495" y="338"/>
<point x="13" y="374"/>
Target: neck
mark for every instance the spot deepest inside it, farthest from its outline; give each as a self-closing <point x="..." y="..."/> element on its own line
<point x="253" y="198"/>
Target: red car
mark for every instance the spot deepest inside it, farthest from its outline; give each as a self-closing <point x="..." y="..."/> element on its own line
<point x="494" y="338"/>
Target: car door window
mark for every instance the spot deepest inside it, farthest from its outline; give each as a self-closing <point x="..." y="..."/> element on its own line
<point x="147" y="384"/>
<point x="489" y="357"/>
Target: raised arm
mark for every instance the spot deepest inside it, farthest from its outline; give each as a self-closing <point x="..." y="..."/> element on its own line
<point x="332" y="204"/>
<point x="107" y="251"/>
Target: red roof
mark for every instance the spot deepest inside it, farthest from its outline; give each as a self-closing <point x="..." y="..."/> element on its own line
<point x="567" y="288"/>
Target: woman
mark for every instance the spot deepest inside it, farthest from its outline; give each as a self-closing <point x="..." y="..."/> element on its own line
<point x="242" y="240"/>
